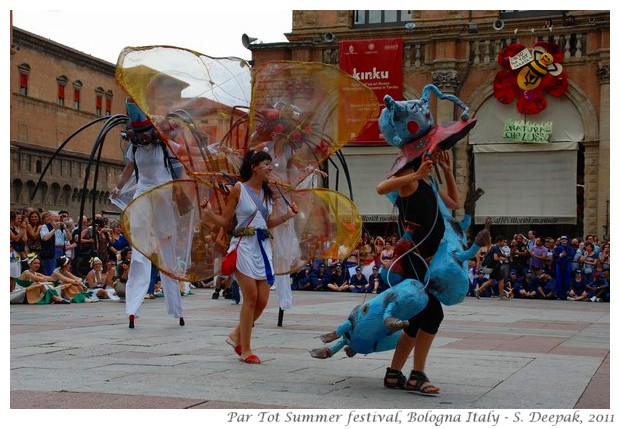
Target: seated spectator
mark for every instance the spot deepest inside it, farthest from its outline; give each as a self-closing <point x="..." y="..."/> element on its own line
<point x="303" y="279"/>
<point x="526" y="286"/>
<point x="546" y="285"/>
<point x="320" y="278"/>
<point x="122" y="272"/>
<point x="510" y="286"/>
<point x="375" y="282"/>
<point x="598" y="288"/>
<point x="358" y="283"/>
<point x="39" y="287"/>
<point x="96" y="281"/>
<point x="339" y="279"/>
<point x="480" y="284"/>
<point x="577" y="290"/>
<point x="70" y="286"/>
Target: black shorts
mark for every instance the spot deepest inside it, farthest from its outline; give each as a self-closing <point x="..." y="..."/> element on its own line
<point x="428" y="320"/>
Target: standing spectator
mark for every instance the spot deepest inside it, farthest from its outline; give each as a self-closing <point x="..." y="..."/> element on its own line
<point x="19" y="234"/>
<point x="104" y="236"/>
<point x="359" y="283"/>
<point x="603" y="257"/>
<point x="33" y="229"/>
<point x="339" y="279"/>
<point x="386" y="255"/>
<point x="588" y="261"/>
<point x="86" y="249"/>
<point x="562" y="258"/>
<point x="117" y="240"/>
<point x="550" y="245"/>
<point x="53" y="238"/>
<point x="538" y="256"/>
<point x="520" y="254"/>
<point x="594" y="240"/>
<point x="579" y="247"/>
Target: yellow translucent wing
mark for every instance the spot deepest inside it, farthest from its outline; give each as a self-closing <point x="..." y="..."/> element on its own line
<point x="166" y="224"/>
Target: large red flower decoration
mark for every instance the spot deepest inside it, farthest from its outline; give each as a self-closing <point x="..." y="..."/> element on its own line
<point x="528" y="75"/>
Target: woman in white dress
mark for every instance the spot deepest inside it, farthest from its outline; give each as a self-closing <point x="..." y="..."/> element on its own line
<point x="254" y="266"/>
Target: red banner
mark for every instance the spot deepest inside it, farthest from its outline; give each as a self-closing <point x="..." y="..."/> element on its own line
<point x="377" y="63"/>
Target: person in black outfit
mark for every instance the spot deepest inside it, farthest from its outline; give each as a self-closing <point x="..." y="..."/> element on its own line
<point x="421" y="220"/>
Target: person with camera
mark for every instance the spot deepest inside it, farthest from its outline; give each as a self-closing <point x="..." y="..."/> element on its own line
<point x="53" y="238"/>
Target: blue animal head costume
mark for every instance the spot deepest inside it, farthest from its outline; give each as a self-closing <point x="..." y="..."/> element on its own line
<point x="410" y="126"/>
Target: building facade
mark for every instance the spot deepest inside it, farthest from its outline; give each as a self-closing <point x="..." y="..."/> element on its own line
<point x="558" y="185"/>
<point x="55" y="91"/>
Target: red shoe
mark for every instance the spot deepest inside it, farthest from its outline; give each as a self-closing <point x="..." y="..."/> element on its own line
<point x="131" y="321"/>
<point x="236" y="347"/>
<point x="252" y="359"/>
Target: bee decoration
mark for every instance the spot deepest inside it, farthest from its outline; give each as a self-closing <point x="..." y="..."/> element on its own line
<point x="528" y="75"/>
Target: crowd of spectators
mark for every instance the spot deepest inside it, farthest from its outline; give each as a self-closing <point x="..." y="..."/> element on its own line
<point x="529" y="267"/>
<point x="44" y="249"/>
<point x="55" y="261"/>
<point x="533" y="267"/>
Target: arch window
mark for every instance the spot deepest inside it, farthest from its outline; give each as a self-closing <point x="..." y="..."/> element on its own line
<point x="62" y="84"/>
<point x="24" y="71"/>
<point x="108" y="102"/>
<point x="77" y="87"/>
<point x="99" y="92"/>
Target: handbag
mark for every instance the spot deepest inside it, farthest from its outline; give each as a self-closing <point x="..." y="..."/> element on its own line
<point x="229" y="262"/>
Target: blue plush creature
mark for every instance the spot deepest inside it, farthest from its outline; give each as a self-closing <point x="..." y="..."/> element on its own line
<point x="447" y="272"/>
<point x="447" y="275"/>
<point x="402" y="122"/>
<point x="373" y="325"/>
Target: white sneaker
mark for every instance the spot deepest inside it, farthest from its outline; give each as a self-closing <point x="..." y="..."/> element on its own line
<point x="273" y="287"/>
<point x="593" y="299"/>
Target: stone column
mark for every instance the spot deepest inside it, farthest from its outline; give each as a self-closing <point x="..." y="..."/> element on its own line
<point x="448" y="82"/>
<point x="591" y="187"/>
<point x="602" y="217"/>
